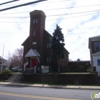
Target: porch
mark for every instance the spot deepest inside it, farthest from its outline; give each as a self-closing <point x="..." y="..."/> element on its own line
<point x="32" y="60"/>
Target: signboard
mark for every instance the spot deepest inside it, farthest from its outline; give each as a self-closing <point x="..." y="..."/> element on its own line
<point x="45" y="69"/>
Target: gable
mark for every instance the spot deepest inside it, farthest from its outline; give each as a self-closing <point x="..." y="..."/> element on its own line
<point x="32" y="53"/>
<point x="50" y="37"/>
<point x="96" y="38"/>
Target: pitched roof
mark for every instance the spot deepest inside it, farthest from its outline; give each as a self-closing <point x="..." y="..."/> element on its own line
<point x="25" y="41"/>
<point x="2" y="58"/>
<point x="46" y="32"/>
<point x="95" y="38"/>
<point x="96" y="54"/>
<point x="32" y="53"/>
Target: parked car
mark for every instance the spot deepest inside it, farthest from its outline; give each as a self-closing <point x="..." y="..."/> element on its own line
<point x="15" y="69"/>
<point x="20" y="70"/>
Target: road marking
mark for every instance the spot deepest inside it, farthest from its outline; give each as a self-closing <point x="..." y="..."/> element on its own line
<point x="33" y="96"/>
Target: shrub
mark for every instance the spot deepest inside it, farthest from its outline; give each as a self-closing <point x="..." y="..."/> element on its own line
<point x="6" y="72"/>
<point x="74" y="68"/>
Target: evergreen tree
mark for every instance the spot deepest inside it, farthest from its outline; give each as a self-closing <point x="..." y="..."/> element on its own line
<point x="57" y="45"/>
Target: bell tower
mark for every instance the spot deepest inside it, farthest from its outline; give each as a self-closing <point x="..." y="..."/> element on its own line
<point x="37" y="27"/>
<point x="37" y="22"/>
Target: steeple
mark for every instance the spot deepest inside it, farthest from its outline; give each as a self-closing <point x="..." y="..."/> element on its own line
<point x="37" y="27"/>
<point x="37" y="21"/>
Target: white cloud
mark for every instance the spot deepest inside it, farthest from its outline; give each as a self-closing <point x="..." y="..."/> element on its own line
<point x="13" y="31"/>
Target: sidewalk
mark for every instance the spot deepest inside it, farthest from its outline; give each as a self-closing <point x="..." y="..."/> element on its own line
<point x="51" y="86"/>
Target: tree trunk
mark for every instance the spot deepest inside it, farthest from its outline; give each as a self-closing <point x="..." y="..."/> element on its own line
<point x="58" y="68"/>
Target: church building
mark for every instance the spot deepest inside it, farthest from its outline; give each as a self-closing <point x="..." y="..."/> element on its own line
<point x="37" y="48"/>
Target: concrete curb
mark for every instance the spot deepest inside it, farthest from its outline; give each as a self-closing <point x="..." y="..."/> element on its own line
<point x="50" y="86"/>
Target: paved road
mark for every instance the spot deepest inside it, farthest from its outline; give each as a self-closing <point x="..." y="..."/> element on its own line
<point x="32" y="93"/>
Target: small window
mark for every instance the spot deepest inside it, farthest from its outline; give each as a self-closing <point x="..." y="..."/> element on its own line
<point x="98" y="62"/>
<point x="48" y="45"/>
<point x="33" y="21"/>
<point x="34" y="43"/>
<point x="34" y="33"/>
<point x="36" y="20"/>
<point x="97" y="46"/>
<point x="48" y="58"/>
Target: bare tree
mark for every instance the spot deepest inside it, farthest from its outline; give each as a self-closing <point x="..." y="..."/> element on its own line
<point x="17" y="58"/>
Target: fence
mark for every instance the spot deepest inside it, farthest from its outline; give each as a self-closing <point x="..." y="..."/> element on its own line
<point x="56" y="78"/>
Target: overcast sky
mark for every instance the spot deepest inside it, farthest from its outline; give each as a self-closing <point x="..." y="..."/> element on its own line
<point x="79" y="20"/>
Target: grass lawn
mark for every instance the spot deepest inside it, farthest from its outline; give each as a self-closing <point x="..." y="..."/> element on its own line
<point x="16" y="72"/>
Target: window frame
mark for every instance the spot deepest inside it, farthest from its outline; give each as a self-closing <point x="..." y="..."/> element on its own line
<point x="95" y="46"/>
<point x="48" y="45"/>
<point x="34" y="43"/>
<point x="34" y="33"/>
<point x="36" y="20"/>
<point x="33" y="21"/>
<point x="98" y="62"/>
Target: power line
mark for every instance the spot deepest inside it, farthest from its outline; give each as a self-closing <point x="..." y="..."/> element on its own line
<point x="8" y="2"/>
<point x="84" y="6"/>
<point x="43" y="2"/>
<point x="91" y="12"/>
<point x="80" y="47"/>
<point x="55" y="9"/>
<point x="58" y="8"/>
<point x="91" y="27"/>
<point x="25" y="4"/>
<point x="77" y="35"/>
<point x="47" y="20"/>
<point x="73" y="17"/>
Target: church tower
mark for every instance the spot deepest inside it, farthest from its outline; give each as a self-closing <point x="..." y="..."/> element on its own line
<point x="36" y="47"/>
<point x="33" y="45"/>
<point x="37" y="27"/>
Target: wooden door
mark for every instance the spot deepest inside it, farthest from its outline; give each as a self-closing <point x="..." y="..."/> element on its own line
<point x="33" y="62"/>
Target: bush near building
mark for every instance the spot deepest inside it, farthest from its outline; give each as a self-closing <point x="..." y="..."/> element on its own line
<point x="78" y="66"/>
<point x="5" y="74"/>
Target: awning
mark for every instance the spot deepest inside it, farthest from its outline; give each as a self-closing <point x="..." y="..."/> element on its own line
<point x="32" y="53"/>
